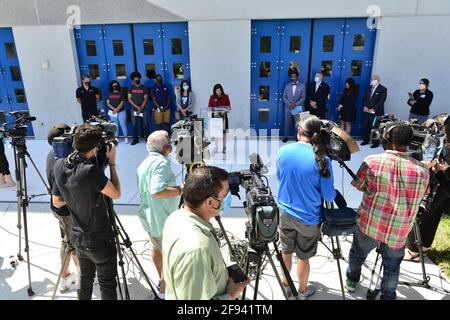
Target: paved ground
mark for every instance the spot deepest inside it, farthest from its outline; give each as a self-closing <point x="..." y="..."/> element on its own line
<point x="44" y="240"/>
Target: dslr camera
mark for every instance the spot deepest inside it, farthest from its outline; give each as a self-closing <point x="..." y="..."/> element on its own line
<point x="260" y="207"/>
<point x="191" y="144"/>
<point x="62" y="146"/>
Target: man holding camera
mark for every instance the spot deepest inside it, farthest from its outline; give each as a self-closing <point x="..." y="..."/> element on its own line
<point x="159" y="194"/>
<point x="81" y="184"/>
<point x="63" y="215"/>
<point x="393" y="184"/>
<point x="194" y="268"/>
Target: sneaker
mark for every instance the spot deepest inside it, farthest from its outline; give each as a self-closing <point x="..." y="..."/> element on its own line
<point x="127" y="141"/>
<point x="308" y="293"/>
<point x="285" y="140"/>
<point x="67" y="283"/>
<point x="364" y="143"/>
<point x="134" y="141"/>
<point x="350" y="285"/>
<point x="288" y="290"/>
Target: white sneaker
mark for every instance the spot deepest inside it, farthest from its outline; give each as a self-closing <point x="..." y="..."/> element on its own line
<point x="305" y="295"/>
<point x="67" y="283"/>
<point x="127" y="141"/>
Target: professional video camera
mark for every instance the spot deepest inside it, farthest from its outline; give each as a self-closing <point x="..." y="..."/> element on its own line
<point x="62" y="146"/>
<point x="190" y="141"/>
<point x="428" y="138"/>
<point x="339" y="143"/>
<point x="17" y="129"/>
<point x="260" y="206"/>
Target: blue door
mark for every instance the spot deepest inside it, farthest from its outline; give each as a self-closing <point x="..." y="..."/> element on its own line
<point x="176" y="58"/>
<point x="357" y="57"/>
<point x="91" y="56"/>
<point x="295" y="45"/>
<point x="326" y="57"/>
<point x="12" y="91"/>
<point x="265" y="75"/>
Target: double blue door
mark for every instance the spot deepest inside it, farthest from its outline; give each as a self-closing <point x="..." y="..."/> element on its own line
<point x="112" y="52"/>
<point x="339" y="48"/>
<point x="12" y="91"/>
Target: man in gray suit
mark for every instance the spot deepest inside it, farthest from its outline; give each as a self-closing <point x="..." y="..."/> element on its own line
<point x="294" y="96"/>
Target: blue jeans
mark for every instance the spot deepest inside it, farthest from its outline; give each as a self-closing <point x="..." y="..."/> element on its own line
<point x="122" y="120"/>
<point x="141" y="124"/>
<point x="391" y="259"/>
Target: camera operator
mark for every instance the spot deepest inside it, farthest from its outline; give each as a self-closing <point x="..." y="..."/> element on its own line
<point x="429" y="220"/>
<point x="306" y="176"/>
<point x="393" y="184"/>
<point x="159" y="194"/>
<point x="5" y="175"/>
<point x="80" y="184"/>
<point x="63" y="216"/>
<point x="194" y="268"/>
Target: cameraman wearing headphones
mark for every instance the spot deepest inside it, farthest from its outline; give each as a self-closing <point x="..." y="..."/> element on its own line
<point x="306" y="177"/>
<point x="63" y="215"/>
<point x="81" y="185"/>
<point x="393" y="184"/>
<point x="440" y="201"/>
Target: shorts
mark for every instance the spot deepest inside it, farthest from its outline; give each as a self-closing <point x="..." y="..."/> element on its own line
<point x="161" y="117"/>
<point x="156" y="243"/>
<point x="298" y="237"/>
<point x="65" y="227"/>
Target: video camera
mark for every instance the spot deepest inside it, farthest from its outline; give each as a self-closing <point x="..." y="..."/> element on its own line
<point x="62" y="146"/>
<point x="339" y="144"/>
<point x="260" y="206"/>
<point x="428" y="138"/>
<point x="17" y="129"/>
<point x="191" y="144"/>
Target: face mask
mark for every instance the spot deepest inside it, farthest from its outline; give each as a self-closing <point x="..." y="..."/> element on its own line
<point x="185" y="87"/>
<point x="317" y="79"/>
<point x="115" y="88"/>
<point x="422" y="86"/>
<point x="137" y="81"/>
<point x="226" y="203"/>
<point x="374" y="82"/>
<point x="159" y="81"/>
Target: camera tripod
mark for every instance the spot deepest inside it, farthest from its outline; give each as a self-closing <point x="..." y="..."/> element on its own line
<point x="20" y="151"/>
<point x="260" y="256"/>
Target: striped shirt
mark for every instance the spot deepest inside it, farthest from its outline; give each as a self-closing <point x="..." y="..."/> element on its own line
<point x="394" y="184"/>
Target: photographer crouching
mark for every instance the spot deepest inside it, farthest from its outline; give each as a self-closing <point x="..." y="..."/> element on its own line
<point x="393" y="183"/>
<point x="63" y="215"/>
<point x="81" y="184"/>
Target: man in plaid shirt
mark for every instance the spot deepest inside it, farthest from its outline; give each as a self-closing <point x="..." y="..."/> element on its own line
<point x="393" y="184"/>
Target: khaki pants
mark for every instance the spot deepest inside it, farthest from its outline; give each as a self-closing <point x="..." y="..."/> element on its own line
<point x="161" y="117"/>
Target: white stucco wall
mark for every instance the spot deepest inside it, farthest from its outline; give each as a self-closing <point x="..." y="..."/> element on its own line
<point x="50" y="92"/>
<point x="220" y="53"/>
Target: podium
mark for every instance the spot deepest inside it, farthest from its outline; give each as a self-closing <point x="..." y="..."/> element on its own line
<point x="217" y="122"/>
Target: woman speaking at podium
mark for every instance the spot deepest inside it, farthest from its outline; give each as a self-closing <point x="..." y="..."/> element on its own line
<point x="219" y="105"/>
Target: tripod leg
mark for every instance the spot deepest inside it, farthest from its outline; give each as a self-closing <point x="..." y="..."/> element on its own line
<point x="337" y="254"/>
<point x="425" y="278"/>
<point x="24" y="211"/>
<point x="19" y="202"/>
<point x="66" y="256"/>
<point x="287" y="275"/>
<point x="247" y="269"/>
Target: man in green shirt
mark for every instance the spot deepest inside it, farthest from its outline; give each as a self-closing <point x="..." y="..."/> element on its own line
<point x="159" y="194"/>
<point x="194" y="268"/>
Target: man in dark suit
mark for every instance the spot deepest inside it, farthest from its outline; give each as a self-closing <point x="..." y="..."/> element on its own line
<point x="374" y="99"/>
<point x="318" y="93"/>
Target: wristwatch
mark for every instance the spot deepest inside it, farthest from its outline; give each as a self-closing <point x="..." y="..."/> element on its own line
<point x="180" y="191"/>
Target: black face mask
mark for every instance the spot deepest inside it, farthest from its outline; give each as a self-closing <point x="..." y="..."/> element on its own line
<point x="137" y="81"/>
<point x="159" y="81"/>
<point x="115" y="88"/>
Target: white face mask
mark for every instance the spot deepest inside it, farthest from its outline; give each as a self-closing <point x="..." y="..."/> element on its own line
<point x="374" y="82"/>
<point x="422" y="86"/>
<point x="317" y="79"/>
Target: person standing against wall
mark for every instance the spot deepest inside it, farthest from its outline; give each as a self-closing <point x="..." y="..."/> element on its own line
<point x="161" y="102"/>
<point x="420" y="104"/>
<point x="88" y="97"/>
<point x="374" y="99"/>
<point x="185" y="100"/>
<point x="293" y="97"/>
<point x="220" y="101"/>
<point x="116" y="105"/>
<point x="5" y="175"/>
<point x="318" y="93"/>
<point x="137" y="97"/>
<point x="347" y="105"/>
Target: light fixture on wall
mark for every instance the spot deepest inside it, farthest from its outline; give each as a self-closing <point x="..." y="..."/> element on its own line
<point x="45" y="64"/>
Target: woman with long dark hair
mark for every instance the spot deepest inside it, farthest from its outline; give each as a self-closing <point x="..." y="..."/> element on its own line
<point x="220" y="101"/>
<point x="184" y="100"/>
<point x="5" y="175"/>
<point x="306" y="177"/>
<point x="347" y="105"/>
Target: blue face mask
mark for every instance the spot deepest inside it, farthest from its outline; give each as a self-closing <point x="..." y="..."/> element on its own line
<point x="226" y="203"/>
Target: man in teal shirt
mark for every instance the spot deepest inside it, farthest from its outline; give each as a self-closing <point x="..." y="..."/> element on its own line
<point x="159" y="194"/>
<point x="194" y="268"/>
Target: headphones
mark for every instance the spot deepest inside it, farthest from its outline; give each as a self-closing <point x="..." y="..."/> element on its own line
<point x="386" y="138"/>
